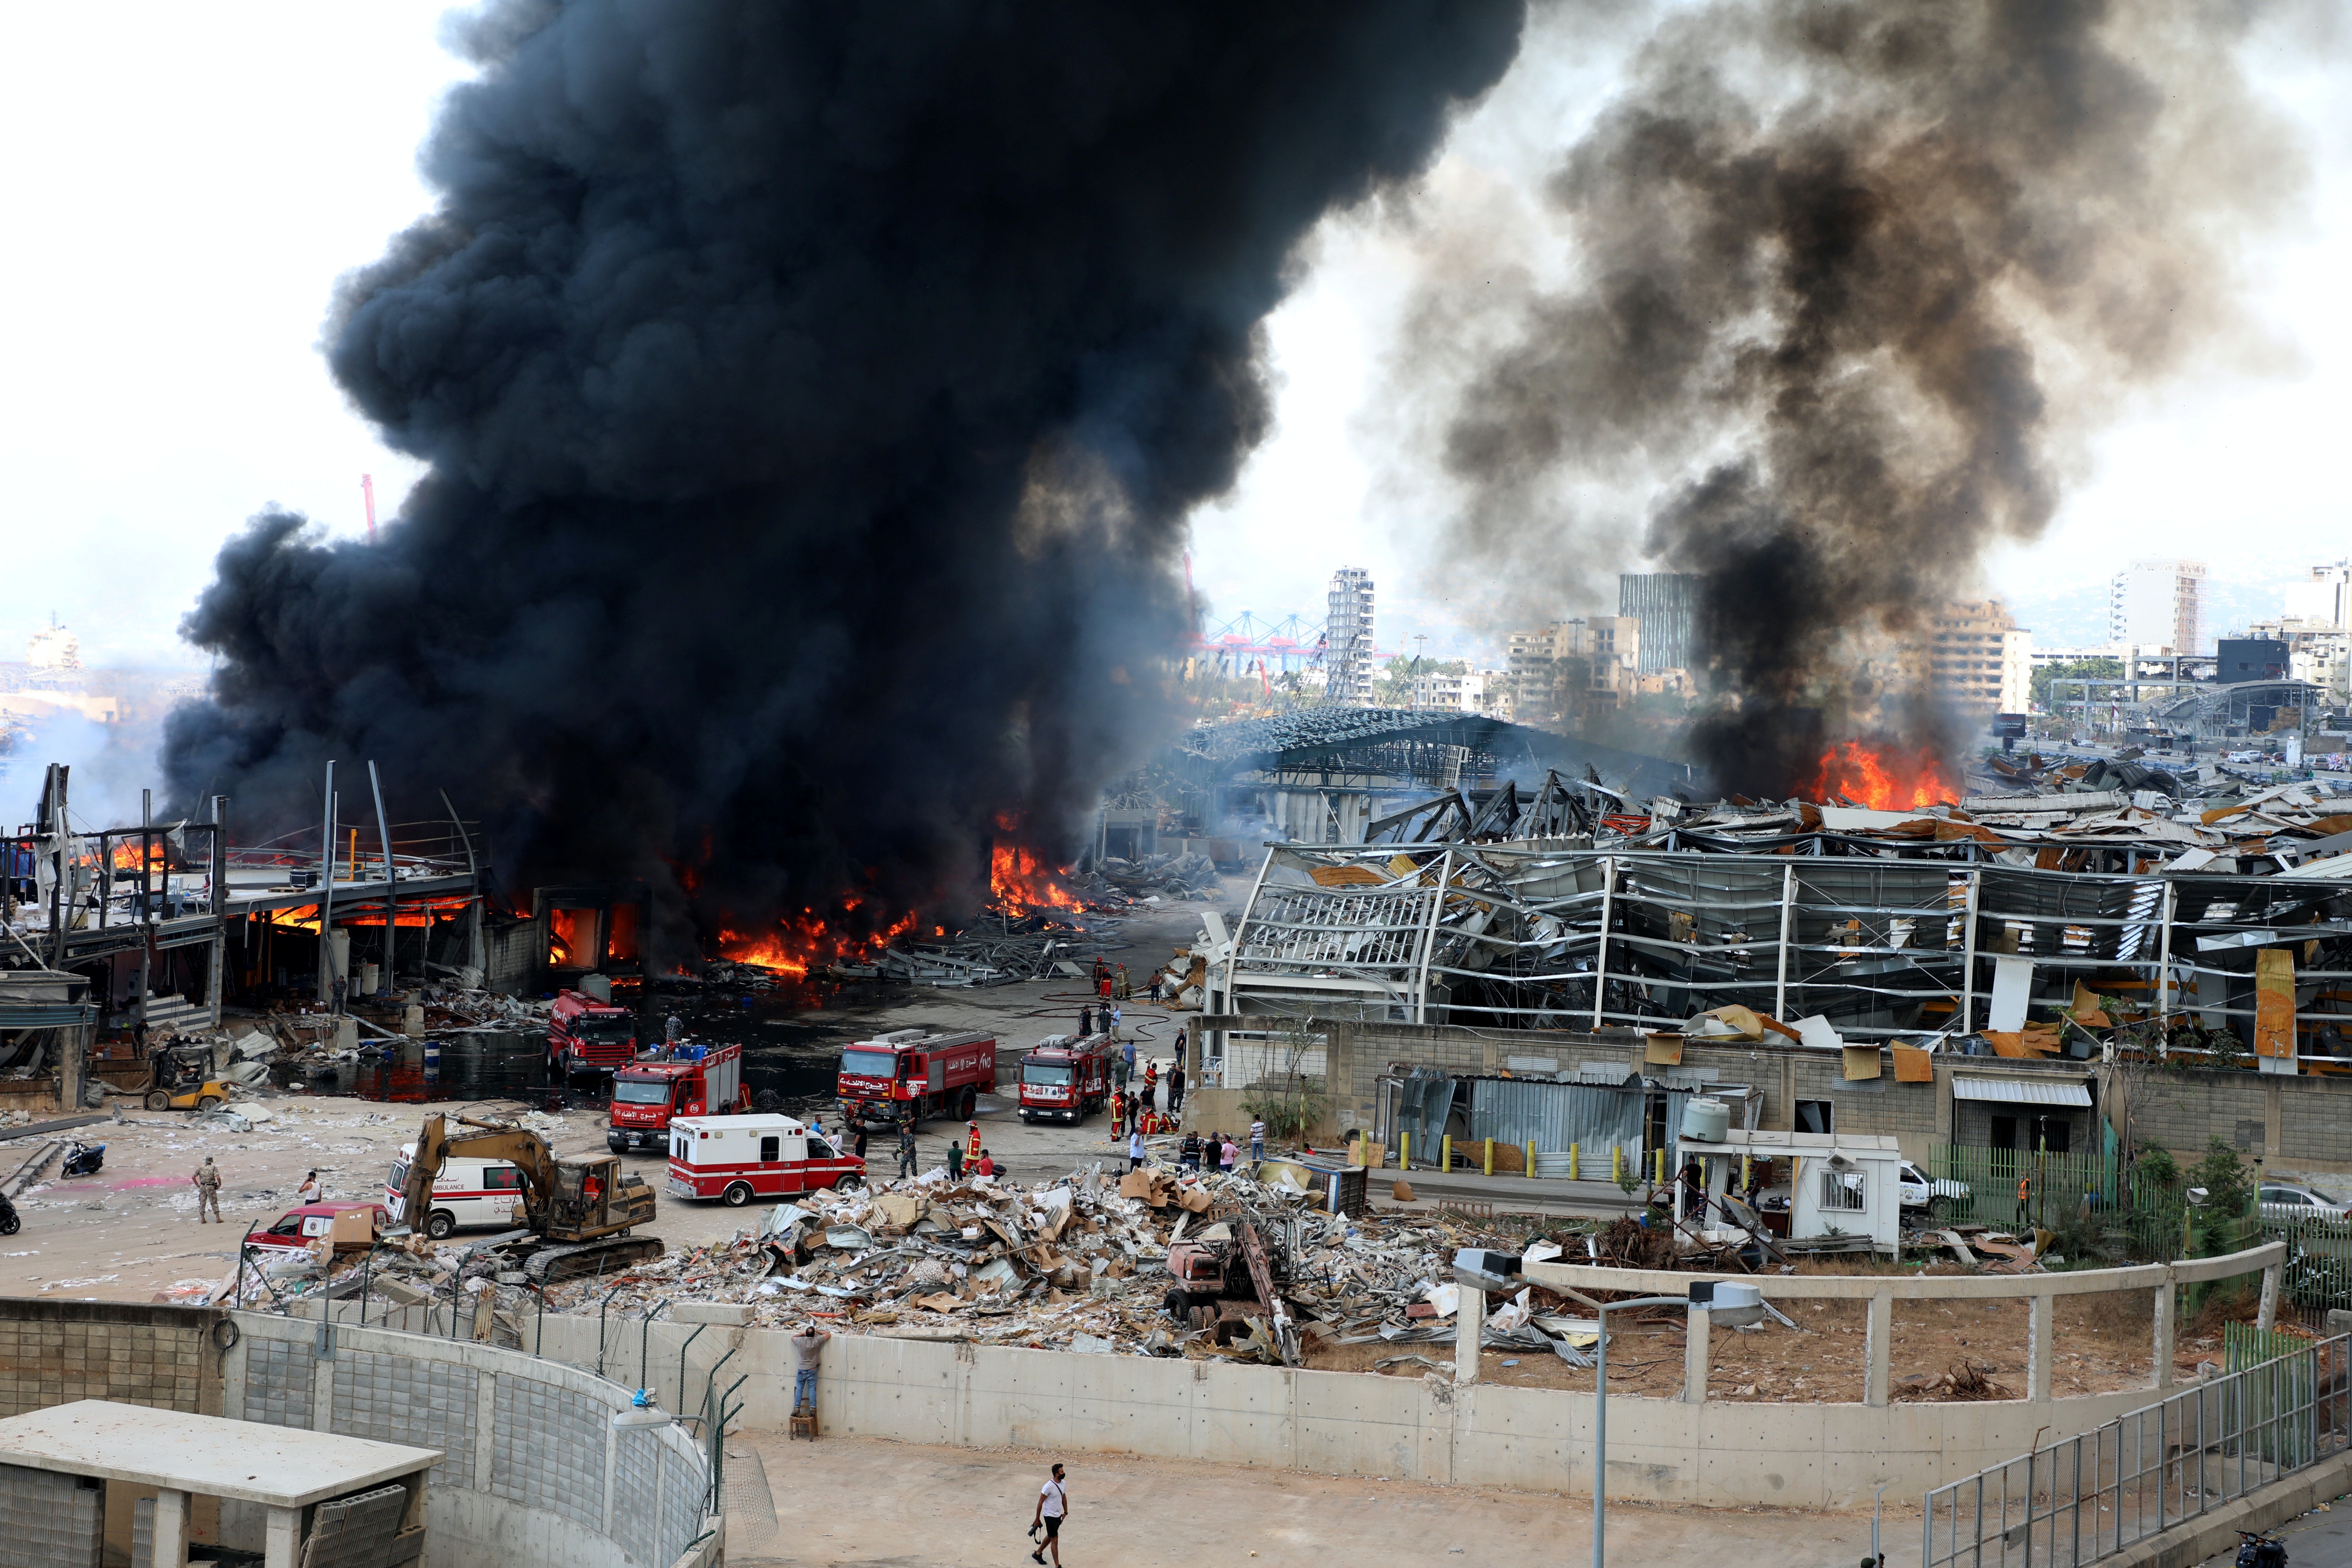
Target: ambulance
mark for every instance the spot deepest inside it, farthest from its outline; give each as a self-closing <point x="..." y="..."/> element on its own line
<point x="738" y="1158"/>
<point x="468" y="1192"/>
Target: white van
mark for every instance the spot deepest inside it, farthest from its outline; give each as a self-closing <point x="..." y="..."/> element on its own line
<point x="467" y="1193"/>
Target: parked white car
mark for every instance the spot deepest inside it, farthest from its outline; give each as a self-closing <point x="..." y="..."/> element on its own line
<point x="1916" y="1190"/>
<point x="2284" y="1201"/>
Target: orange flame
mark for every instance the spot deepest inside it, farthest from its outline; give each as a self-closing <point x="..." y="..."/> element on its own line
<point x="1017" y="879"/>
<point x="126" y="856"/>
<point x="805" y="942"/>
<point x="1883" y="779"/>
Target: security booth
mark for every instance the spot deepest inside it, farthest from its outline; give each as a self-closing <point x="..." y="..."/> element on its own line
<point x="1839" y="1183"/>
<point x="293" y="1497"/>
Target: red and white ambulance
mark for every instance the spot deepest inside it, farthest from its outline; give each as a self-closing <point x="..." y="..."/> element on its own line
<point x="738" y="1158"/>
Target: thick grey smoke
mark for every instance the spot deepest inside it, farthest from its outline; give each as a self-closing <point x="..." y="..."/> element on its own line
<point x="1851" y="279"/>
<point x="813" y="395"/>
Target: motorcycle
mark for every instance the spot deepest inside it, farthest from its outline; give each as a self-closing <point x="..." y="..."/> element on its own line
<point x="84" y="1159"/>
<point x="2260" y="1550"/>
<point x="9" y="1224"/>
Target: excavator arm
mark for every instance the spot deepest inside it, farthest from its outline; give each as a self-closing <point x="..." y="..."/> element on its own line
<point x="437" y="1145"/>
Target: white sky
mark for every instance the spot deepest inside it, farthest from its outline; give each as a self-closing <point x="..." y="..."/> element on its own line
<point x="187" y="182"/>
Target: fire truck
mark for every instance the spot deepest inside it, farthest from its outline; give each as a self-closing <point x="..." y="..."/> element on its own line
<point x="698" y="1081"/>
<point x="912" y="1073"/>
<point x="1065" y="1078"/>
<point x="584" y="1034"/>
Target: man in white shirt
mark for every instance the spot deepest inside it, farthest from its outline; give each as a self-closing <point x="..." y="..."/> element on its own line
<point x="1053" y="1501"/>
<point x="1257" y="1140"/>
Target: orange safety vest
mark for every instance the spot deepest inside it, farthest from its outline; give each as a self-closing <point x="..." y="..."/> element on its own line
<point x="2024" y="1188"/>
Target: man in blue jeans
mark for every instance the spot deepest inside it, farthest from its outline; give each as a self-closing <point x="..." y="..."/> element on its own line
<point x="807" y="1345"/>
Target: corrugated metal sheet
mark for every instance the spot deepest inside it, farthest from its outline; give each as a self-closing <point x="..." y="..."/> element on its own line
<point x="1555" y="1115"/>
<point x="47" y="1014"/>
<point x="2019" y="1091"/>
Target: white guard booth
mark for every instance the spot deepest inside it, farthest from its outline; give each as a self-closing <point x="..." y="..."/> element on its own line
<point x="1843" y="1183"/>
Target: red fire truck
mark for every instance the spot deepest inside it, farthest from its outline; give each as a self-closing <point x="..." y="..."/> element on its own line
<point x="1065" y="1078"/>
<point x="698" y="1081"/>
<point x="913" y="1073"/>
<point x="585" y="1035"/>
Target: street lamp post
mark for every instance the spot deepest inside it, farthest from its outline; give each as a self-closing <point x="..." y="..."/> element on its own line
<point x="1600" y="1410"/>
<point x="1734" y="1303"/>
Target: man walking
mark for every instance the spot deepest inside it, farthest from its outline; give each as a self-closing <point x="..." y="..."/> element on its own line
<point x="2024" y="1200"/>
<point x="807" y="1346"/>
<point x="1176" y="1087"/>
<point x="1127" y="1055"/>
<point x="1053" y="1503"/>
<point x="955" y="1161"/>
<point x="1087" y="1021"/>
<point x="906" y="1149"/>
<point x="208" y="1180"/>
<point x="1135" y="1148"/>
<point x="1257" y="1139"/>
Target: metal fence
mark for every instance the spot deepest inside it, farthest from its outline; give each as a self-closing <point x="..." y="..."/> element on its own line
<point x="2094" y="1494"/>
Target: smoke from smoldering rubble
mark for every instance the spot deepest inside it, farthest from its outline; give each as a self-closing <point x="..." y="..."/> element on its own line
<point x="1848" y="282"/>
<point x="813" y="397"/>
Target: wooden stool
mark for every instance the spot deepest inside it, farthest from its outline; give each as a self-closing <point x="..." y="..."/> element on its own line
<point x="803" y="1426"/>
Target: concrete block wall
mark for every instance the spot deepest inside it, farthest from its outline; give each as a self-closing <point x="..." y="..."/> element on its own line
<point x="53" y="1352"/>
<point x="2290" y="1123"/>
<point x="49" y="1521"/>
<point x="534" y="1469"/>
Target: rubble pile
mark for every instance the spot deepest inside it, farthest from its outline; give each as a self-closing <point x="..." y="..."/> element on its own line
<point x="1082" y="1264"/>
<point x="1190" y="875"/>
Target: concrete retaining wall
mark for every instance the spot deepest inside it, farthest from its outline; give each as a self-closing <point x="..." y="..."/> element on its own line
<point x="535" y="1472"/>
<point x="1343" y="1424"/>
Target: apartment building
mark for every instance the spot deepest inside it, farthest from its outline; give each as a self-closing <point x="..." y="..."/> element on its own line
<point x="1979" y="660"/>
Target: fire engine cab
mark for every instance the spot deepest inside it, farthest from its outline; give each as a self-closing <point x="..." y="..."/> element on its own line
<point x="908" y="1074"/>
<point x="1065" y="1078"/>
<point x="698" y="1081"/>
<point x="584" y="1034"/>
<point x="738" y="1158"/>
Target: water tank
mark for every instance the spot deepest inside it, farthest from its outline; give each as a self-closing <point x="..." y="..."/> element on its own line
<point x="1706" y="1120"/>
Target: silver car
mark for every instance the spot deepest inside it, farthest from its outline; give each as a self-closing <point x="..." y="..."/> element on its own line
<point x="2287" y="1201"/>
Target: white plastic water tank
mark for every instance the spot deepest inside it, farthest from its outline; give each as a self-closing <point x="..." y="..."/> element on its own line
<point x="1705" y="1120"/>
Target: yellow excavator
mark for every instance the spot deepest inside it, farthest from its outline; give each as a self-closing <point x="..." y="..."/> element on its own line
<point x="577" y="1213"/>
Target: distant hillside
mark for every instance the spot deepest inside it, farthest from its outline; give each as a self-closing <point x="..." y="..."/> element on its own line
<point x="2077" y="616"/>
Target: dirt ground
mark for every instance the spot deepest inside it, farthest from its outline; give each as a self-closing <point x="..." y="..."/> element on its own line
<point x="2105" y="1342"/>
<point x="846" y="1502"/>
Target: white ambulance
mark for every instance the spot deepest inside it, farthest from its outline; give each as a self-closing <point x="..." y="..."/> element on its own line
<point x="468" y="1192"/>
<point x="738" y="1158"/>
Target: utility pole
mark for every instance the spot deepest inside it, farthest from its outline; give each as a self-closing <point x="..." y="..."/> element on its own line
<point x="327" y="891"/>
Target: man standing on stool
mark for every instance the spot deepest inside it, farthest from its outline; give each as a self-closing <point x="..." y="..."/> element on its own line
<point x="807" y="1346"/>
<point x="1053" y="1501"/>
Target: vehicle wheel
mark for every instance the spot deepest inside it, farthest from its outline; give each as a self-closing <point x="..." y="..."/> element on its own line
<point x="9" y="1224"/>
<point x="966" y="1104"/>
<point x="1937" y="1208"/>
<point x="849" y="1183"/>
<point x="158" y="1101"/>
<point x="207" y="1101"/>
<point x="737" y="1195"/>
<point x="439" y="1224"/>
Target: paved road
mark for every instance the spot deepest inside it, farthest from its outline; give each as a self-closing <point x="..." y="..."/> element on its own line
<point x="2320" y="1539"/>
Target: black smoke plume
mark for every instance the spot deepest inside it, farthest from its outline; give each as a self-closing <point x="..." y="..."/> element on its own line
<point x="1850" y="280"/>
<point x="813" y="396"/>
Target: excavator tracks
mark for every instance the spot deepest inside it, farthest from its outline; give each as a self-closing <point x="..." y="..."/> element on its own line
<point x="613" y="1254"/>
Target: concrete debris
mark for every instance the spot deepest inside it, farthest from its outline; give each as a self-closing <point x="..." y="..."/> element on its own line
<point x="1084" y="1263"/>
